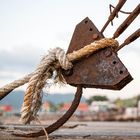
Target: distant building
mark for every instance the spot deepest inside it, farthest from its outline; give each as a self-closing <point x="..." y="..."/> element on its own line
<point x="6" y="108"/>
<point x="82" y="108"/>
<point x="139" y="108"/>
<point x="131" y="112"/>
<point x="101" y="106"/>
<point x="46" y="107"/>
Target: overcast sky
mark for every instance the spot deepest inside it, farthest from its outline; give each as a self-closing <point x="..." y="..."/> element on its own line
<point x="28" y="28"/>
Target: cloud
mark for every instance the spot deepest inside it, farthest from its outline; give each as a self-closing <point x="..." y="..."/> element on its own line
<point x="20" y="58"/>
<point x="18" y="61"/>
<point x="27" y="27"/>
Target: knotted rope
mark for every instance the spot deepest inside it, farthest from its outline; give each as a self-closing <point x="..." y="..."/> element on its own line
<point x="54" y="61"/>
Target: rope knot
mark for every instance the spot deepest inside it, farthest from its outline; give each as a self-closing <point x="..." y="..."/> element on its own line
<point x="54" y="61"/>
<point x="33" y="98"/>
<point x="62" y="59"/>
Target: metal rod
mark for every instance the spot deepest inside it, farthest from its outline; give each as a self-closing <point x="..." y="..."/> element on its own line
<point x="130" y="39"/>
<point x="127" y="22"/>
<point x="124" y="12"/>
<point x="113" y="14"/>
<point x="59" y="122"/>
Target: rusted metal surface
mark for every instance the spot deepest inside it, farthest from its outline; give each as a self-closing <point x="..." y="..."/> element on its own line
<point x="114" y="13"/>
<point x="130" y="39"/>
<point x="110" y="8"/>
<point x="124" y="12"/>
<point x="59" y="122"/>
<point x="127" y="22"/>
<point x="100" y="70"/>
<point x="85" y="33"/>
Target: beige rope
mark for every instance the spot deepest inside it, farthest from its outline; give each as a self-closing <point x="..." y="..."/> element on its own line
<point x="46" y="134"/>
<point x="15" y="84"/>
<point x="93" y="47"/>
<point x="44" y="71"/>
<point x="55" y="60"/>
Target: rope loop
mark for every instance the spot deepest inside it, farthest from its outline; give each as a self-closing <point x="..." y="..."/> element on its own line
<point x="33" y="98"/>
<point x="55" y="60"/>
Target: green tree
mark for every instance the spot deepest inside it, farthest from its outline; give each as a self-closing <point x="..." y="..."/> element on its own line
<point x="53" y="107"/>
<point x="138" y="99"/>
<point x="119" y="103"/>
<point x="130" y="102"/>
<point x="97" y="98"/>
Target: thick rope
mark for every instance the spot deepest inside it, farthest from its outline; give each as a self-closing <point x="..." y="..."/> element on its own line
<point x="43" y="72"/>
<point x="55" y="60"/>
<point x="5" y="90"/>
<point x="91" y="48"/>
<point x="46" y="134"/>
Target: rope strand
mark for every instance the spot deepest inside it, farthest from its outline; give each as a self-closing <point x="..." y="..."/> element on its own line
<point x="54" y="61"/>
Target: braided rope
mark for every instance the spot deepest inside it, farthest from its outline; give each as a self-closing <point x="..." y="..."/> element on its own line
<point x="5" y="90"/>
<point x="31" y="104"/>
<point x="55" y="60"/>
<point x="93" y="47"/>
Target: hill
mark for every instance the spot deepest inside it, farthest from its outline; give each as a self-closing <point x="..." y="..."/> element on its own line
<point x="15" y="99"/>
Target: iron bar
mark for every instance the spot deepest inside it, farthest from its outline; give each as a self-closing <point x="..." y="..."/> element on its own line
<point x="130" y="39"/>
<point x="113" y="14"/>
<point x="124" y="12"/>
<point x="127" y="22"/>
<point x="60" y="121"/>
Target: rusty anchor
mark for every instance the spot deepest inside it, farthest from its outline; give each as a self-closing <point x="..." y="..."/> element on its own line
<point x="102" y="69"/>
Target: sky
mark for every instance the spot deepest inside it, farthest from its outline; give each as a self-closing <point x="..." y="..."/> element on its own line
<point x="29" y="28"/>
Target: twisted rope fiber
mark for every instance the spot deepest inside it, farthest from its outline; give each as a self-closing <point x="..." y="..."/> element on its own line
<point x="37" y="82"/>
<point x="54" y="61"/>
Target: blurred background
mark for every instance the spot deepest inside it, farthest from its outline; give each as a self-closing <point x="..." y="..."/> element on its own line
<point x="29" y="28"/>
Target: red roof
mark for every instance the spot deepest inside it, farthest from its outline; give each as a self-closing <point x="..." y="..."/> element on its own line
<point x="82" y="107"/>
<point x="46" y="105"/>
<point x="6" y="108"/>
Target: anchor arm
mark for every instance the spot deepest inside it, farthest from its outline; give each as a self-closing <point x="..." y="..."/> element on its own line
<point x="59" y="122"/>
<point x="113" y="14"/>
<point x="127" y="22"/>
<point x="130" y="39"/>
